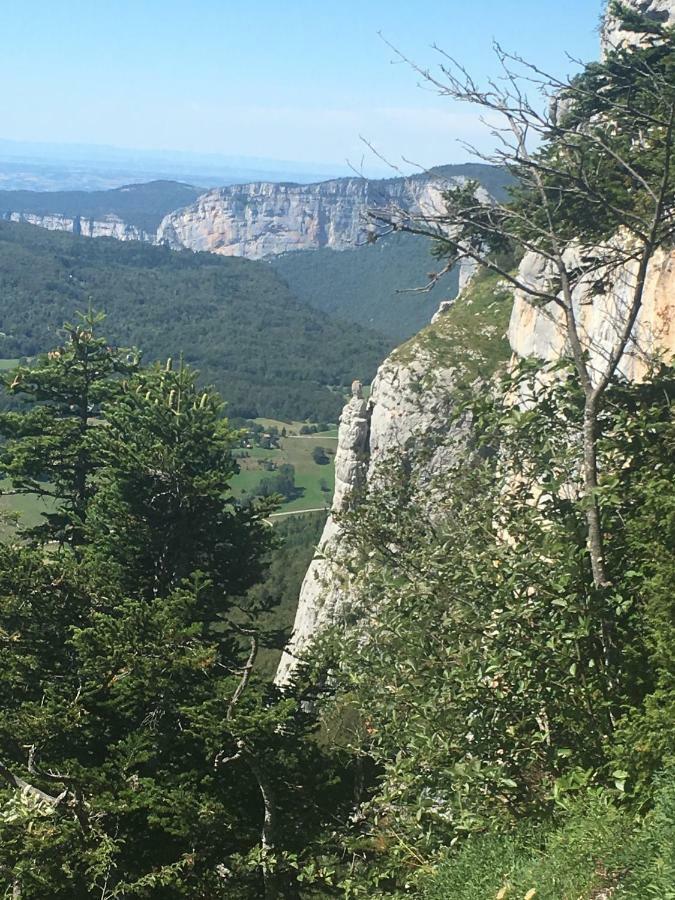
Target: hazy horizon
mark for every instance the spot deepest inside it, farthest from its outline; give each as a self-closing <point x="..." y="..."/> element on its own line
<point x="295" y="85"/>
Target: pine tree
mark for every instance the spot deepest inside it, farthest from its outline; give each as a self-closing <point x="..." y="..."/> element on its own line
<point x="47" y="450"/>
<point x="140" y="753"/>
<point x="163" y="509"/>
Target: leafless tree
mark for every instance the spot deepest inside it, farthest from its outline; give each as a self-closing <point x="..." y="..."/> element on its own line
<point x="594" y="201"/>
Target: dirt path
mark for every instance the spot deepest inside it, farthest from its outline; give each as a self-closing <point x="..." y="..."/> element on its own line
<point x="297" y="512"/>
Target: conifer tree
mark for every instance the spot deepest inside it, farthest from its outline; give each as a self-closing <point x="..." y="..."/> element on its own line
<point x="47" y="450"/>
<point x="140" y="753"/>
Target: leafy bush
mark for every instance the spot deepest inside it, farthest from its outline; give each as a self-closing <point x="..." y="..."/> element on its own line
<point x="564" y="860"/>
<point x="482" y="684"/>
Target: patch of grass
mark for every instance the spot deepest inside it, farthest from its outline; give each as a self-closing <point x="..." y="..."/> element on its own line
<point x="22" y="510"/>
<point x="6" y="364"/>
<point x="596" y="849"/>
<point x="470" y="336"/>
<point x="573" y="861"/>
<point x="650" y="861"/>
<point x="291" y="425"/>
<point x="308" y="475"/>
<point x="296" y="449"/>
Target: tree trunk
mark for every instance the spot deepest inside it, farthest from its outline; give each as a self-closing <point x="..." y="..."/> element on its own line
<point x="590" y="475"/>
<point x="268" y="836"/>
<point x="595" y="536"/>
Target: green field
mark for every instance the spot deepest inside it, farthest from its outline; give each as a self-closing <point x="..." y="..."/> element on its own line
<point x="296" y="449"/>
<point x="292" y="427"/>
<point x="6" y="364"/>
<point x="22" y="509"/>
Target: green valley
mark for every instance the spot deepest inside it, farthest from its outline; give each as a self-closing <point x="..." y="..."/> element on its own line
<point x="314" y="482"/>
<point x="234" y="319"/>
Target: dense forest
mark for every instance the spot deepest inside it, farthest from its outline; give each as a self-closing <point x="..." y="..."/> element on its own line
<point x="234" y="319"/>
<point x="368" y="284"/>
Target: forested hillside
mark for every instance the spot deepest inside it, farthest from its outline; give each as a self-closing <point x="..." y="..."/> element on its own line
<point x="141" y="205"/>
<point x="235" y="320"/>
<point x="482" y="705"/>
<point x="370" y="283"/>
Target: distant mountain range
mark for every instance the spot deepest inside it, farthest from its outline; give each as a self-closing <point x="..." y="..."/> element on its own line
<point x="281" y="336"/>
<point x="140" y="206"/>
<point x="296" y="226"/>
<point x="254" y="220"/>
<point x="64" y="167"/>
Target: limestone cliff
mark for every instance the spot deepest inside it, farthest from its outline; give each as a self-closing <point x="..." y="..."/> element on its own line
<point x="264" y="219"/>
<point x="415" y="389"/>
<point x="410" y="404"/>
<point x="109" y="226"/>
<point x="540" y="331"/>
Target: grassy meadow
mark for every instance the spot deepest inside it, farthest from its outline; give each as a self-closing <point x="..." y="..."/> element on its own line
<point x="296" y="449"/>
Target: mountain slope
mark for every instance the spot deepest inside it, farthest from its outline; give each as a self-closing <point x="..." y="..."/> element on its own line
<point x="265" y="218"/>
<point x="142" y="206"/>
<point x="369" y="285"/>
<point x="236" y="320"/>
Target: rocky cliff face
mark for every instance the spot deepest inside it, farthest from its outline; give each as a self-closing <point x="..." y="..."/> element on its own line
<point x="396" y="414"/>
<point x="264" y="219"/>
<point x="415" y="389"/>
<point x="110" y="226"/>
<point x="540" y="331"/>
<point x="410" y="405"/>
<point x="612" y="35"/>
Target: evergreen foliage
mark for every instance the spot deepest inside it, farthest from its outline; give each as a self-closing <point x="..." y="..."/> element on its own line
<point x="234" y="319"/>
<point x="140" y="754"/>
<point x="47" y="448"/>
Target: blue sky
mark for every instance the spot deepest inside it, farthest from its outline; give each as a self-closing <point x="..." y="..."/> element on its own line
<point x="280" y="79"/>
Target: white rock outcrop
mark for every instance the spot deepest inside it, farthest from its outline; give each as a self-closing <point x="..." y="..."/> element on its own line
<point x="109" y="226"/>
<point x="412" y="398"/>
<point x="536" y="330"/>
<point x="613" y="36"/>
<point x="264" y="219"/>
<point x="409" y="401"/>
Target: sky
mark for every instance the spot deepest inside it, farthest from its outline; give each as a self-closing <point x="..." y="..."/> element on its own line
<point x="272" y="79"/>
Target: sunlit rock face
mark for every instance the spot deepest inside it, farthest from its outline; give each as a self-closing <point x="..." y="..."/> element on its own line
<point x="264" y="219"/>
<point x="409" y="401"/>
<point x="109" y="226"/>
<point x="413" y="396"/>
<point x="613" y="36"/>
<point x="539" y="331"/>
